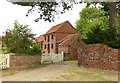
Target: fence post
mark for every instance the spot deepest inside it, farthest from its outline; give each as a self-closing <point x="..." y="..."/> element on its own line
<point x="42" y="59"/>
<point x="8" y="60"/>
<point x="62" y="55"/>
<point x="52" y="58"/>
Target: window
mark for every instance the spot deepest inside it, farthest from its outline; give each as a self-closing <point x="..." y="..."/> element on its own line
<point x="52" y="36"/>
<point x="45" y="46"/>
<point x="45" y="38"/>
<point x="48" y="48"/>
<point x="52" y="46"/>
<point x="41" y="45"/>
<point x="48" y="38"/>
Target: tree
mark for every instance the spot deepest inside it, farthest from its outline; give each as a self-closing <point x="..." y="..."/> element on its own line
<point x="94" y="27"/>
<point x="112" y="8"/>
<point x="91" y="18"/>
<point x="97" y="35"/>
<point x="18" y="39"/>
<point x="47" y="10"/>
<point x="119" y="24"/>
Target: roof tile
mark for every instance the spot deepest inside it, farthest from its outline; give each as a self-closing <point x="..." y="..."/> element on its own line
<point x="40" y="38"/>
<point x="56" y="27"/>
<point x="68" y="40"/>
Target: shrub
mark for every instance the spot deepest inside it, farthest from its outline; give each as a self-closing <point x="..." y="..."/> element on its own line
<point x="106" y="36"/>
<point x="35" y="49"/>
<point x="113" y="44"/>
<point x="5" y="50"/>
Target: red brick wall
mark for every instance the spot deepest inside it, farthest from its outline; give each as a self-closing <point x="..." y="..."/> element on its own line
<point x="99" y="56"/>
<point x="74" y="48"/>
<point x="24" y="60"/>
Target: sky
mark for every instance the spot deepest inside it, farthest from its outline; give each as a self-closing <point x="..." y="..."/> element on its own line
<point x="11" y="12"/>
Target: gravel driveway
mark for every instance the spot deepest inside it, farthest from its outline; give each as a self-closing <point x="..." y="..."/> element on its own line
<point x="40" y="74"/>
<point x="63" y="71"/>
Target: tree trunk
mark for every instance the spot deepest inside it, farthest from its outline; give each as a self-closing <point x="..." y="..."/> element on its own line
<point x="113" y="21"/>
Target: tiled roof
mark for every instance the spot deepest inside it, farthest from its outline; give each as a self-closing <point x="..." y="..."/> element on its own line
<point x="40" y="38"/>
<point x="56" y="27"/>
<point x="68" y="40"/>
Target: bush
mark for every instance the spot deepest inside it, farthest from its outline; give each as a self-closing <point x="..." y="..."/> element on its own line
<point x="113" y="44"/>
<point x="5" y="50"/>
<point x="34" y="50"/>
<point x="106" y="36"/>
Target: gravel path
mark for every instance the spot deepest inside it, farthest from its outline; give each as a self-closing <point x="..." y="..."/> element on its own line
<point x="63" y="71"/>
<point x="40" y="74"/>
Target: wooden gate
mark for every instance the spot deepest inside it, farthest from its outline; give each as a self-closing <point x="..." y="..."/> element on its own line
<point x="4" y="61"/>
<point x="51" y="58"/>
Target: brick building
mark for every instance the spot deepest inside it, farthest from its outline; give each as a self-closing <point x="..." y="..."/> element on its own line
<point x="61" y="37"/>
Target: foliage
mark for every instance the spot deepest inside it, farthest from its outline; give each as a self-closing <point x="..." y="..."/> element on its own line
<point x="107" y="37"/>
<point x="119" y="24"/>
<point x="91" y="18"/>
<point x="94" y="28"/>
<point x="114" y="44"/>
<point x="47" y="10"/>
<point x="18" y="39"/>
<point x="5" y="50"/>
<point x="98" y="35"/>
<point x="36" y="48"/>
<point x="33" y="50"/>
<point x="112" y="9"/>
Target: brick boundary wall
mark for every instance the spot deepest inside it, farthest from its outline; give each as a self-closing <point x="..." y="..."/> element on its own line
<point x="24" y="60"/>
<point x="99" y="56"/>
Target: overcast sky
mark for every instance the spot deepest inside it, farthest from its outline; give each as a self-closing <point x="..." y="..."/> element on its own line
<point x="11" y="12"/>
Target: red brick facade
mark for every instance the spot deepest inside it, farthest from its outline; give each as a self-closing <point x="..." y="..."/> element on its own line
<point x="55" y="39"/>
